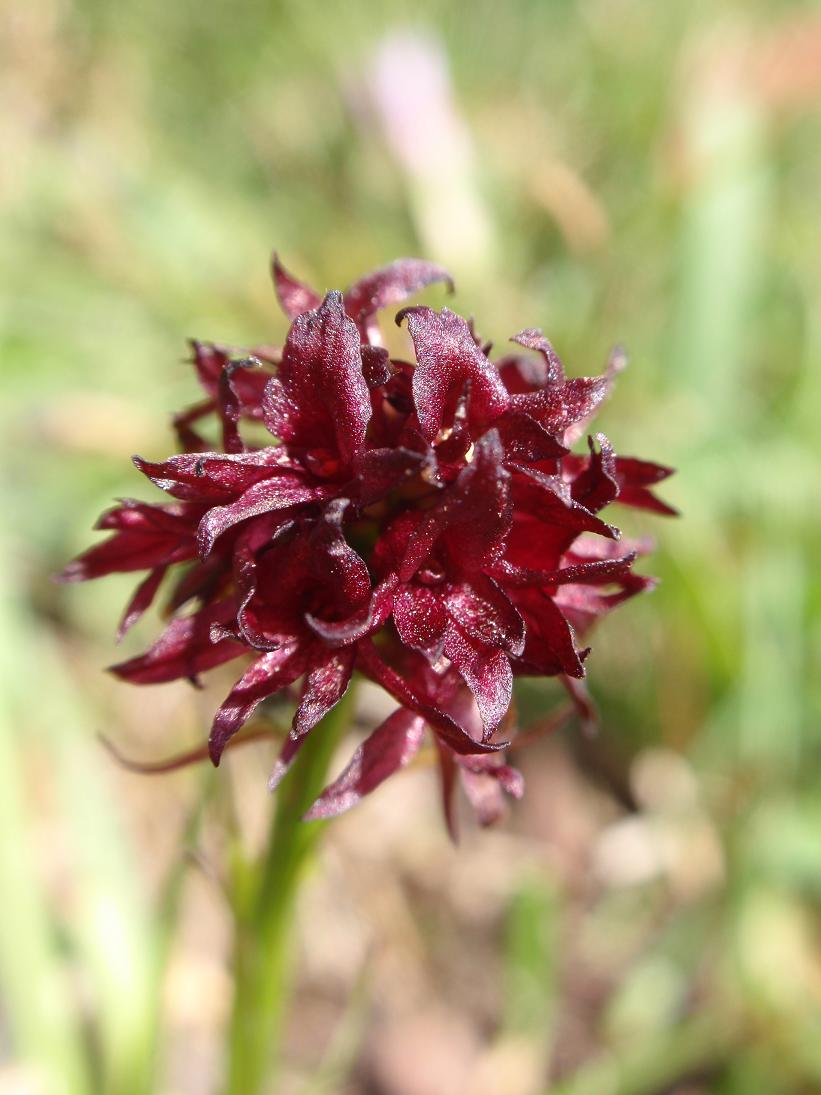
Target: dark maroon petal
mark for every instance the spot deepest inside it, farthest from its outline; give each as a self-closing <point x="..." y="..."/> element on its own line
<point x="549" y="644"/>
<point x="360" y="623"/>
<point x="335" y="563"/>
<point x="549" y="498"/>
<point x="145" y="537"/>
<point x="525" y="441"/>
<point x="393" y="744"/>
<point x="420" y="617"/>
<point x="584" y="604"/>
<point x="231" y="404"/>
<point x="376" y="366"/>
<point x="141" y="600"/>
<point x="595" y="572"/>
<point x="294" y="297"/>
<point x="325" y="685"/>
<point x="443" y="725"/>
<point x="484" y="785"/>
<point x="596" y="486"/>
<point x="214" y="476"/>
<point x="210" y="360"/>
<point x="391" y="285"/>
<point x="635" y="477"/>
<point x="184" y="650"/>
<point x="533" y="339"/>
<point x="561" y="406"/>
<point x="487" y="673"/>
<point x="447" y="358"/>
<point x="321" y="375"/>
<point x="447" y="779"/>
<point x="278" y="493"/>
<point x="380" y="470"/>
<point x="474" y="513"/>
<point x="188" y="438"/>
<point x="482" y="517"/>
<point x="250" y="540"/>
<point x="271" y="672"/>
<point x="485" y="613"/>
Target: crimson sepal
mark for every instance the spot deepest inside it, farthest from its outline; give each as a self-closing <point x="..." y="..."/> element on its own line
<point x="184" y="650"/>
<point x="445" y="727"/>
<point x="270" y="673"/>
<point x="446" y="359"/>
<point x="320" y="393"/>
<point x="391" y="746"/>
<point x="145" y="536"/>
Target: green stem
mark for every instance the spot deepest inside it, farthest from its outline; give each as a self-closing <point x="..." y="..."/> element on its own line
<point x="263" y="941"/>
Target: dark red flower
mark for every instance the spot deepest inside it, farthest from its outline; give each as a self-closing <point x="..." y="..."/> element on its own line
<point x="423" y="523"/>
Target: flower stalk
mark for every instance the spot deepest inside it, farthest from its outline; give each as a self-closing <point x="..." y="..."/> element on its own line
<point x="263" y="947"/>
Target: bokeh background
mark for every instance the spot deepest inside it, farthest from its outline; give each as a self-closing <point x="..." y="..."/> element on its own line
<point x="648" y="920"/>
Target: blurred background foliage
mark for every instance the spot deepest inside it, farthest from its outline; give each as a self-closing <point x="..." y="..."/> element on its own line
<point x="648" y="920"/>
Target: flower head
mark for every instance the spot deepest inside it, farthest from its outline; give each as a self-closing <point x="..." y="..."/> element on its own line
<point x="424" y="523"/>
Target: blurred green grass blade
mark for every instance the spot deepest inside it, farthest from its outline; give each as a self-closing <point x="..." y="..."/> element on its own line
<point x="104" y="918"/>
<point x="43" y="1018"/>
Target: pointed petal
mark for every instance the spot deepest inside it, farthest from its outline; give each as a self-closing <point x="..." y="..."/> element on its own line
<point x="325" y="685"/>
<point x="145" y="536"/>
<point x="388" y="749"/>
<point x="321" y="374"/>
<point x="391" y="285"/>
<point x="294" y="296"/>
<point x="443" y="725"/>
<point x="549" y="645"/>
<point x="596" y="486"/>
<point x="635" y="478"/>
<point x="278" y="493"/>
<point x="487" y="673"/>
<point x="230" y="402"/>
<point x="485" y="613"/>
<point x="214" y="476"/>
<point x="271" y="672"/>
<point x="141" y="600"/>
<point x="533" y="339"/>
<point x="421" y="618"/>
<point x="561" y="406"/>
<point x="447" y="358"/>
<point x="183" y="650"/>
